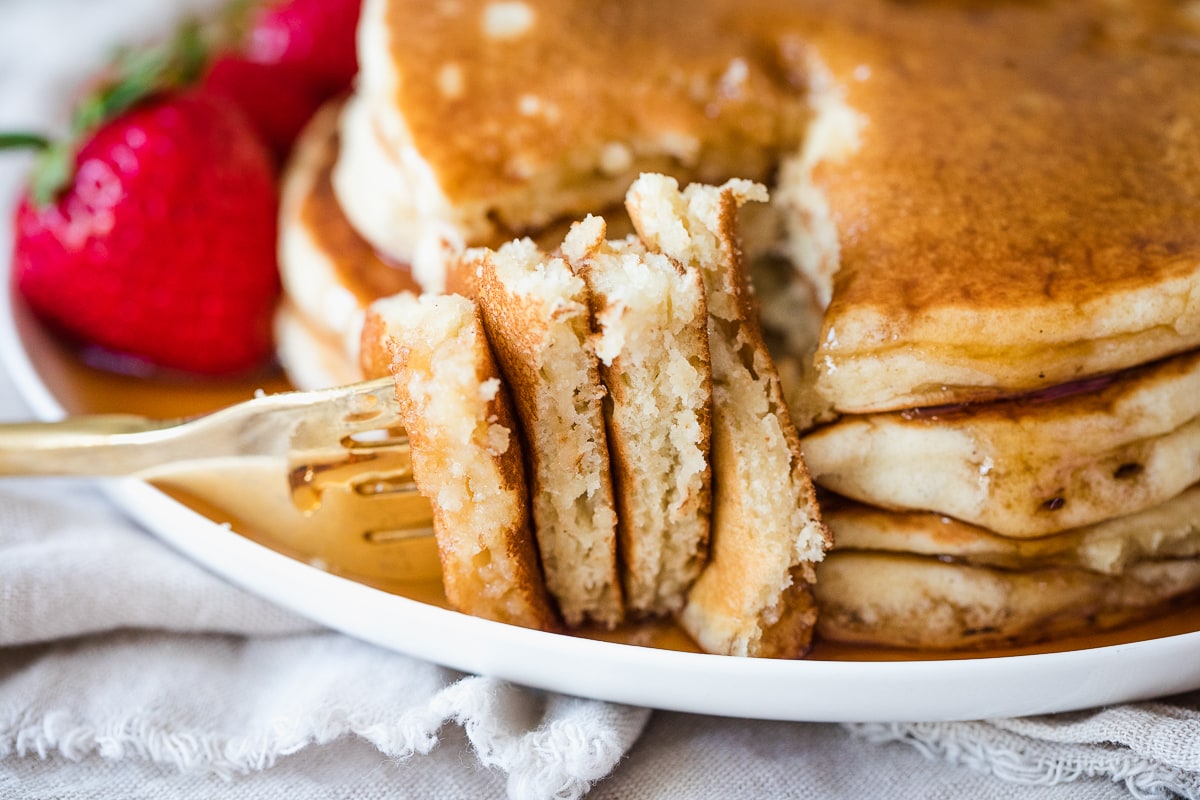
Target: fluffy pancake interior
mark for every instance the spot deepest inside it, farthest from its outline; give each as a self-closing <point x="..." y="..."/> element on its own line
<point x="536" y="313"/>
<point x="465" y="454"/>
<point x="652" y="342"/>
<point x="751" y="599"/>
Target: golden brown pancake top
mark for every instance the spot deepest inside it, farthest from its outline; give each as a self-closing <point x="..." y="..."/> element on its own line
<point x="1015" y="156"/>
<point x="1054" y="145"/>
<point x="494" y="91"/>
<point x="1015" y="150"/>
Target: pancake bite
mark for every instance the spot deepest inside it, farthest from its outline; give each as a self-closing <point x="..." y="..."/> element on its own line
<point x="535" y="311"/>
<point x="754" y="597"/>
<point x="466" y="454"/>
<point x="649" y="319"/>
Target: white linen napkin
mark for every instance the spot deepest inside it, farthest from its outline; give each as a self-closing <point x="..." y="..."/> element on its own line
<point x="1151" y="748"/>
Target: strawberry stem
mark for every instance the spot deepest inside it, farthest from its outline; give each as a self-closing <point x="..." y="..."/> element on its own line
<point x="53" y="172"/>
<point x="53" y="168"/>
<point x="18" y="140"/>
<point x="141" y="73"/>
<point x="233" y="23"/>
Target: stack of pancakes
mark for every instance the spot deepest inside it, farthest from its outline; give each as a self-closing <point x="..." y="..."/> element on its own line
<point x="991" y="217"/>
<point x="1010" y="341"/>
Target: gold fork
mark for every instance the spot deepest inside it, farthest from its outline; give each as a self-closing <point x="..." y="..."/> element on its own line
<point x="324" y="475"/>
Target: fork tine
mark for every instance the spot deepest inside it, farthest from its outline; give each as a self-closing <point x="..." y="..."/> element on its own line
<point x="353" y="438"/>
<point x="349" y="472"/>
<point x="386" y="540"/>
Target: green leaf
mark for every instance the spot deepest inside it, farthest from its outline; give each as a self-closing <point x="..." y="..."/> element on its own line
<point x="140" y="73"/>
<point x="20" y="140"/>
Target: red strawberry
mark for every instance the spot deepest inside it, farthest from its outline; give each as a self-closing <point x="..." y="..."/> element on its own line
<point x="314" y="37"/>
<point x="277" y="99"/>
<point x="155" y="235"/>
<point x="281" y="59"/>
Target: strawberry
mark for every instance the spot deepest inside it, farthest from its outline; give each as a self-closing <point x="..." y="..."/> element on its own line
<point x="280" y="60"/>
<point x="151" y="233"/>
<point x="275" y="97"/>
<point x="314" y="37"/>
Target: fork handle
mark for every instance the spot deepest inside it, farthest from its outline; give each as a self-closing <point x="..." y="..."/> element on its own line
<point x="99" y="445"/>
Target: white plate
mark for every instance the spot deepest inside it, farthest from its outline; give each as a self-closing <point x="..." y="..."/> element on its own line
<point x="808" y="690"/>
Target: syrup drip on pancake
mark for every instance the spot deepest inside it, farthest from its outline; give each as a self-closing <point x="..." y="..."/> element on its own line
<point x="1060" y="392"/>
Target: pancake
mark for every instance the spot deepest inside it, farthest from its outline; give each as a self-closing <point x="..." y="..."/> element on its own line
<point x="651" y="338"/>
<point x="754" y="597"/>
<point x="466" y="455"/>
<point x="917" y="580"/>
<point x="389" y="202"/>
<point x="329" y="273"/>
<point x="311" y="358"/>
<point x="1029" y="467"/>
<point x="535" y="312"/>
<point x="926" y="604"/>
<point x="475" y="122"/>
<point x="1170" y="530"/>
<point x="1023" y="206"/>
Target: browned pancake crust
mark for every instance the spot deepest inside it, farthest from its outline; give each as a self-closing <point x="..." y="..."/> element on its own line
<point x="586" y="75"/>
<point x="360" y="269"/>
<point x="1025" y="151"/>
<point x="1016" y="157"/>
